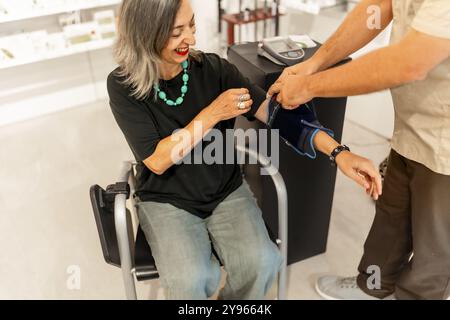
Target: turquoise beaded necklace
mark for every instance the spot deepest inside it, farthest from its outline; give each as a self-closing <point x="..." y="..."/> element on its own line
<point x="184" y="89"/>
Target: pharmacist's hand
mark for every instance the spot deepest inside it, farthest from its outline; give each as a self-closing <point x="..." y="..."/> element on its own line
<point x="301" y="69"/>
<point x="291" y="85"/>
<point x="226" y="106"/>
<point x="362" y="171"/>
<point x="292" y="91"/>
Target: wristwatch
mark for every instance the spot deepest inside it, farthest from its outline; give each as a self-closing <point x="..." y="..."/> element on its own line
<point x="336" y="152"/>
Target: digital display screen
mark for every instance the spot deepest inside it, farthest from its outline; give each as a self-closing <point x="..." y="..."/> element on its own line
<point x="282" y="46"/>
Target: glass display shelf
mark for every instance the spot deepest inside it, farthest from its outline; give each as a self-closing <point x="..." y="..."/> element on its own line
<point x="58" y="9"/>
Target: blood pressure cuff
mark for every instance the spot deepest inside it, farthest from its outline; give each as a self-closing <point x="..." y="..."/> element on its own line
<point x="297" y="127"/>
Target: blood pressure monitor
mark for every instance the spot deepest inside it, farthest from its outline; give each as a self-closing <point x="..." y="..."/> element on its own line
<point x="281" y="49"/>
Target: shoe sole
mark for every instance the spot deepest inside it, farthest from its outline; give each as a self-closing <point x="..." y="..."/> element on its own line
<point x="327" y="297"/>
<point x="323" y="294"/>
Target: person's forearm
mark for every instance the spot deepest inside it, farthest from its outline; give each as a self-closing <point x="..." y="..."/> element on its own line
<point x="263" y="112"/>
<point x="352" y="34"/>
<point x="379" y="70"/>
<point x="175" y="147"/>
<point x="324" y="143"/>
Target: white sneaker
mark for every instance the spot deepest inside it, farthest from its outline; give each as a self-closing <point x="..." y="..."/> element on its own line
<point x="340" y="288"/>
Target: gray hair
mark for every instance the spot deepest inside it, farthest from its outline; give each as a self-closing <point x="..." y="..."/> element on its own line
<point x="144" y="28"/>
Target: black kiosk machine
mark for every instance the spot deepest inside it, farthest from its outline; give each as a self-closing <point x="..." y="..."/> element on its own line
<point x="310" y="183"/>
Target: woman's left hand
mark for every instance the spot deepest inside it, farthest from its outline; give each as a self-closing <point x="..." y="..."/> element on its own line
<point x="362" y="171"/>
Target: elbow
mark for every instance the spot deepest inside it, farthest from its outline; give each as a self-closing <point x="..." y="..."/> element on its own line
<point x="158" y="172"/>
<point x="421" y="76"/>
<point x="155" y="166"/>
<point x="413" y="74"/>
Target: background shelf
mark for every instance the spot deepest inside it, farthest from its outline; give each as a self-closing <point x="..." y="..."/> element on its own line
<point x="71" y="50"/>
<point x="64" y="7"/>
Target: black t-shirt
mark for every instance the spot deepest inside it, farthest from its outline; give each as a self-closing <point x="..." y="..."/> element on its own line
<point x="196" y="188"/>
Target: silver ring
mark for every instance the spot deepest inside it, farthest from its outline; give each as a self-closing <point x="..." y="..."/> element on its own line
<point x="244" y="97"/>
<point x="241" y="105"/>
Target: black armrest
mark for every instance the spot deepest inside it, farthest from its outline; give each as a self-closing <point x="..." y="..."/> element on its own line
<point x="103" y="207"/>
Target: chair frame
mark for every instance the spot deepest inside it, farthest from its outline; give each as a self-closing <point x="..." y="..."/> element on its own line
<point x="123" y="235"/>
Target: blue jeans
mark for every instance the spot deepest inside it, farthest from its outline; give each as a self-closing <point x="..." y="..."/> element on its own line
<point x="181" y="244"/>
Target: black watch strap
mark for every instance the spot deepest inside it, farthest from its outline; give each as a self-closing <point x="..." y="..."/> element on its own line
<point x="336" y="152"/>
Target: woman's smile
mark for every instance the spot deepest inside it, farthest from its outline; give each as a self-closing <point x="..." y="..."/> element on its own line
<point x="182" y="51"/>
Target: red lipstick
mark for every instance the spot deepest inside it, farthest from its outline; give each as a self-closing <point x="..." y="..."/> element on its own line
<point x="182" y="53"/>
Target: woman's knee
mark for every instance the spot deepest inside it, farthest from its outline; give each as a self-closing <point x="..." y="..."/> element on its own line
<point x="194" y="281"/>
<point x="265" y="260"/>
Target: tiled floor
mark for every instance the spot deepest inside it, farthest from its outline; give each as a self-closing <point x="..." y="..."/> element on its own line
<point x="47" y="226"/>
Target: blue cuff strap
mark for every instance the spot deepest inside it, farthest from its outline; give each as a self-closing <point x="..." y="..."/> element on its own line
<point x="297" y="127"/>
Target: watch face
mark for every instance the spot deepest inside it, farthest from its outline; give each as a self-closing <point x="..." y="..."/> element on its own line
<point x="283" y="46"/>
<point x="337" y="151"/>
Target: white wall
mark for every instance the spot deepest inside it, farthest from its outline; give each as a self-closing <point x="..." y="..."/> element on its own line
<point x="206" y="13"/>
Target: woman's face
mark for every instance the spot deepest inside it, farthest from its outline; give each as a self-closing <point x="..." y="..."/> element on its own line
<point x="183" y="36"/>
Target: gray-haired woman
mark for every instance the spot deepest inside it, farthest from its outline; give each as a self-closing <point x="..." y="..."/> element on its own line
<point x="160" y="86"/>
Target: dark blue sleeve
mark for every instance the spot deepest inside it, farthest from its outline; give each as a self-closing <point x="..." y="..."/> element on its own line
<point x="297" y="127"/>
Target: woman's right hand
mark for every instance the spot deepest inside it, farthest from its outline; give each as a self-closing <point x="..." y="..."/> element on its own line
<point x="226" y="107"/>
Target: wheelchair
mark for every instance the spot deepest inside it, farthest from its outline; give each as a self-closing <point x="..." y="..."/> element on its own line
<point x="127" y="248"/>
